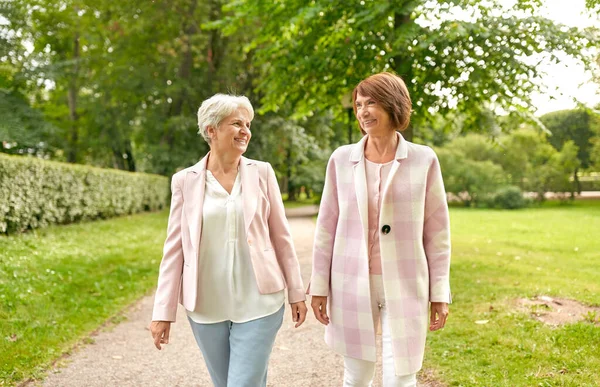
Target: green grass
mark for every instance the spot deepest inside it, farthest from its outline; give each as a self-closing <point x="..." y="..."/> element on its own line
<point x="61" y="283"/>
<point x="499" y="256"/>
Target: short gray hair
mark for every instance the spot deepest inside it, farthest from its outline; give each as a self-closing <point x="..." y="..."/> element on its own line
<point x="216" y="108"/>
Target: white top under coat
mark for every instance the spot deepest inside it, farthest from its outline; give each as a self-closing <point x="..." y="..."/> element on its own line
<point x="377" y="177"/>
<point x="227" y="289"/>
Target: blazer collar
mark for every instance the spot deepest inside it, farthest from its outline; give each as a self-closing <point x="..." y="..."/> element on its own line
<point x="358" y="149"/>
<point x="250" y="189"/>
<point x="200" y="166"/>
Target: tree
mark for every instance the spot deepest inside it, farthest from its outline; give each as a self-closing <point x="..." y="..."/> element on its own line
<point x="455" y="55"/>
<point x="472" y="181"/>
<point x="23" y="130"/>
<point x="578" y="126"/>
<point x="123" y="80"/>
<point x="535" y="165"/>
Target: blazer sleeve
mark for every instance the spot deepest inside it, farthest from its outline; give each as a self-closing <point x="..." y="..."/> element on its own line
<point x="171" y="266"/>
<point x="436" y="234"/>
<point x="281" y="238"/>
<point x="327" y="221"/>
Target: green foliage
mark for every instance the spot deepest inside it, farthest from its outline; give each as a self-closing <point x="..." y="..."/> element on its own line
<point x="593" y="4"/>
<point x="36" y="193"/>
<point x="313" y="53"/>
<point x="23" y="130"/>
<point x="595" y="153"/>
<point x="474" y="167"/>
<point x="579" y="126"/>
<point x="59" y="284"/>
<point x="508" y="197"/>
<point x="471" y="181"/>
<point x="294" y="148"/>
<point x="535" y="166"/>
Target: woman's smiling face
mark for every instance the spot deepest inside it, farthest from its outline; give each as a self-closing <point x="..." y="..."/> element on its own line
<point x="233" y="133"/>
<point x="372" y="117"/>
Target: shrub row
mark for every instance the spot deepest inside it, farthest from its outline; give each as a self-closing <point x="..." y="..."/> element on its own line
<point x="482" y="173"/>
<point x="36" y="193"/>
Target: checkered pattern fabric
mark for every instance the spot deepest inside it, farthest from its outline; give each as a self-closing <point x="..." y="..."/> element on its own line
<point x="415" y="254"/>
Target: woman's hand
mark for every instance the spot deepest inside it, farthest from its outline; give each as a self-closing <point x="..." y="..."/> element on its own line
<point x="160" y="332"/>
<point x="319" y="307"/>
<point x="439" y="314"/>
<point x="298" y="313"/>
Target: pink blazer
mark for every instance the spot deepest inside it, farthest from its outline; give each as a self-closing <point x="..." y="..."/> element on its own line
<point x="415" y="252"/>
<point x="271" y="248"/>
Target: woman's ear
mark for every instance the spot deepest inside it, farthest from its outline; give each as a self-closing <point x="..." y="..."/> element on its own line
<point x="211" y="131"/>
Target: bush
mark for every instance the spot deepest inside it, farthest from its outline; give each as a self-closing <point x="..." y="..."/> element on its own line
<point x="509" y="197"/>
<point x="469" y="180"/>
<point x="36" y="193"/>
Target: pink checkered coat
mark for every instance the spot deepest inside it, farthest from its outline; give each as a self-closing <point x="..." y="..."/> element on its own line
<point x="415" y="254"/>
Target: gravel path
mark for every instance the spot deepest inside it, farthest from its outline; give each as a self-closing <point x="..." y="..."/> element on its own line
<point x="124" y="355"/>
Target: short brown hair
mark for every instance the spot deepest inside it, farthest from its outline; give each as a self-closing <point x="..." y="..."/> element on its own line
<point x="390" y="91"/>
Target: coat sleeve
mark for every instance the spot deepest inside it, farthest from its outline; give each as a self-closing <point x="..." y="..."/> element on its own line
<point x="325" y="235"/>
<point x="281" y="238"/>
<point x="436" y="234"/>
<point x="171" y="266"/>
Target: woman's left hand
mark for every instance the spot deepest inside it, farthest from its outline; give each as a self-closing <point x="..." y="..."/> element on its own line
<point x="439" y="314"/>
<point x="298" y="312"/>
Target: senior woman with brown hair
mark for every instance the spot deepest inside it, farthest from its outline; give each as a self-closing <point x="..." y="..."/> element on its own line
<point x="382" y="244"/>
<point x="228" y="254"/>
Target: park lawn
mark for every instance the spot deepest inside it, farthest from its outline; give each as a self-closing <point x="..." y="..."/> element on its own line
<point x="61" y="283"/>
<point x="499" y="256"/>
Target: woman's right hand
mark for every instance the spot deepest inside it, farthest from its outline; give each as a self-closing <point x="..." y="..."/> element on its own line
<point x="319" y="307"/>
<point x="160" y="332"/>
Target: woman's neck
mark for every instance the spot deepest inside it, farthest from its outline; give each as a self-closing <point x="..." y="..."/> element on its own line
<point x="222" y="163"/>
<point x="381" y="149"/>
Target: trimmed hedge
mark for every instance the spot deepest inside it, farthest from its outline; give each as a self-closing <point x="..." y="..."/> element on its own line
<point x="36" y="193"/>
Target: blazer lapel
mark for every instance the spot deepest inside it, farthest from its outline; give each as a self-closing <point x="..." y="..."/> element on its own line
<point x="401" y="153"/>
<point x="195" y="182"/>
<point x="360" y="185"/>
<point x="250" y="189"/>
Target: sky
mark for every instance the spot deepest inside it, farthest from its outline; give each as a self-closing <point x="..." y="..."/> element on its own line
<point x="568" y="77"/>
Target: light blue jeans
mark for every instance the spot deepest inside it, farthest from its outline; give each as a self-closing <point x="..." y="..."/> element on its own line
<point x="237" y="354"/>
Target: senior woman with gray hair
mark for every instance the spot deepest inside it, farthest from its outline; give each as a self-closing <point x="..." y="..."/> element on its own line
<point x="229" y="254"/>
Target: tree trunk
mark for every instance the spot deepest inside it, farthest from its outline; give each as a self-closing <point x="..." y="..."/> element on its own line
<point x="130" y="159"/>
<point x="291" y="190"/>
<point x="119" y="162"/>
<point x="216" y="47"/>
<point x="403" y="63"/>
<point x="183" y="74"/>
<point x="72" y="101"/>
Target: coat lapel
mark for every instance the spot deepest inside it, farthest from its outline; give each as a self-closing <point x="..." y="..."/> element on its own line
<point x="195" y="182"/>
<point x="401" y="153"/>
<point x="357" y="156"/>
<point x="250" y="189"/>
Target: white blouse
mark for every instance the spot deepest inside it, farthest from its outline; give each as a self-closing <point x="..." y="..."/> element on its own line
<point x="227" y="289"/>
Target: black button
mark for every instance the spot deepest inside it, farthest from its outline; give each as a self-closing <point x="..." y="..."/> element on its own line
<point x="386" y="229"/>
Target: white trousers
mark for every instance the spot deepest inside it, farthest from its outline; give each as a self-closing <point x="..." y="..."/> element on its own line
<point x="360" y="373"/>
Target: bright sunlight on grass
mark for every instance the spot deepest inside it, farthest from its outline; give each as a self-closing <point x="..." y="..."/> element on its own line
<point x="499" y="256"/>
<point x="61" y="283"/>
